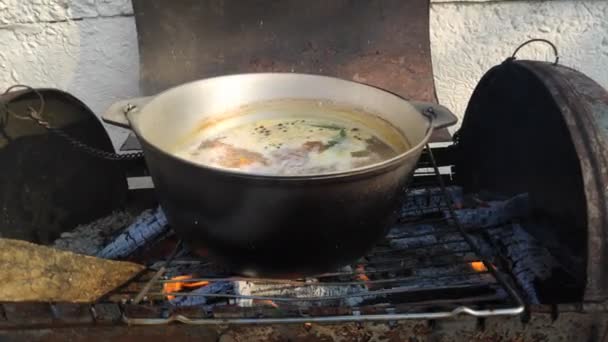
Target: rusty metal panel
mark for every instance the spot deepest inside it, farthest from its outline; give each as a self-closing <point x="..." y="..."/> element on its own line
<point x="383" y="42"/>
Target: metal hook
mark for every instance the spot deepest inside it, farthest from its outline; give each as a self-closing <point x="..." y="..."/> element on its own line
<point x="42" y="103"/>
<point x="129" y="108"/>
<point x="513" y="57"/>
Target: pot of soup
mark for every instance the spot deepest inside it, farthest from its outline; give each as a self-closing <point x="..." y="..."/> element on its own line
<point x="280" y="174"/>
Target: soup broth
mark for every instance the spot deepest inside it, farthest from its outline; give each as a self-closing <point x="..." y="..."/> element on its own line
<point x="293" y="138"/>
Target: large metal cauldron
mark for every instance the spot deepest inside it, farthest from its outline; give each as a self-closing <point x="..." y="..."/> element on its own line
<point x="268" y="224"/>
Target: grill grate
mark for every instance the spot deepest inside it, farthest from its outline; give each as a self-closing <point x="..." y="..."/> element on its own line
<point x="427" y="267"/>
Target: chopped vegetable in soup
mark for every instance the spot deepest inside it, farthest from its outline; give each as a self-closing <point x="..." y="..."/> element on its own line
<point x="289" y="145"/>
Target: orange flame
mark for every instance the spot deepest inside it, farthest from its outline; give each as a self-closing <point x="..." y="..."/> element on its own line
<point x="362" y="277"/>
<point x="478" y="266"/>
<point x="179" y="285"/>
<point x="266" y="302"/>
<point x="361" y="273"/>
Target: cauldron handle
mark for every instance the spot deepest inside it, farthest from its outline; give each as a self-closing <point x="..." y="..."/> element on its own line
<point x="117" y="114"/>
<point x="440" y="116"/>
<point x="548" y="42"/>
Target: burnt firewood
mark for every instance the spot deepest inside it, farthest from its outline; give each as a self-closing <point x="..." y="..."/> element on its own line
<point x="31" y="272"/>
<point x="430" y="200"/>
<point x="531" y="261"/>
<point x="90" y="238"/>
<point x="494" y="213"/>
<point x="197" y="297"/>
<point x="316" y="290"/>
<point x="146" y="229"/>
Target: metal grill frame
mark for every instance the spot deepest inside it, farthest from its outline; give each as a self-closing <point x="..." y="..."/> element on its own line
<point x="516" y="305"/>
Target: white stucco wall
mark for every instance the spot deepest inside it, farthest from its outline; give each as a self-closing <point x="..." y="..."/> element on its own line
<point x="86" y="47"/>
<point x="469" y="37"/>
<point x="89" y="47"/>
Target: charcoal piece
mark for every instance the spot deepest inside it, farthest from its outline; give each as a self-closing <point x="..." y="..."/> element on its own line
<point x="531" y="261"/>
<point x="413" y="242"/>
<point x="495" y="213"/>
<point x="90" y="238"/>
<point x="146" y="228"/>
<point x="443" y="281"/>
<point x="31" y="272"/>
<point x="198" y="298"/>
<point x="430" y="200"/>
<point x="401" y="231"/>
<point x="316" y="290"/>
<point x="455" y="271"/>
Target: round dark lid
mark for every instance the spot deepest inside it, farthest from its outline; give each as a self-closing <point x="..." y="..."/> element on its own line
<point x="540" y="128"/>
<point x="47" y="186"/>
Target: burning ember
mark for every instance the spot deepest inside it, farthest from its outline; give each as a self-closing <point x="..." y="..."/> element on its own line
<point x="478" y="266"/>
<point x="176" y="285"/>
<point x="361" y="273"/>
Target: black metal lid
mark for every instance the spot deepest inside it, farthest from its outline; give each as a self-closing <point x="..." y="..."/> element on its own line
<point x="46" y="185"/>
<point x="540" y="128"/>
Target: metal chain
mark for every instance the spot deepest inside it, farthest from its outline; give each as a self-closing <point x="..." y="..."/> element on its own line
<point x="95" y="151"/>
<point x="36" y="116"/>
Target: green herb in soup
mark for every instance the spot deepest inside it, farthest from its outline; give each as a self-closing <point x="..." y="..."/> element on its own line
<point x="289" y="145"/>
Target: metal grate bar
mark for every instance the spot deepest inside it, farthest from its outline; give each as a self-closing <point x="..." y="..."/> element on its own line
<point x="519" y="303"/>
<point x="394" y="290"/>
<point x="303" y="283"/>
